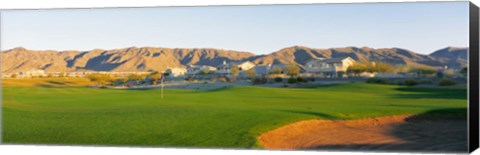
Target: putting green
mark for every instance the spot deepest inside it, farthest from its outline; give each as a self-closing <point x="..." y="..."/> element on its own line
<point x="229" y="117"/>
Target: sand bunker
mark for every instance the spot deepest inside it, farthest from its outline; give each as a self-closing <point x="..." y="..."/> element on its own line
<point x="398" y="133"/>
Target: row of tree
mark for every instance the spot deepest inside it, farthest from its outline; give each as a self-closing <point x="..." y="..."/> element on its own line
<point x="419" y="70"/>
<point x="370" y="67"/>
<point x="106" y="79"/>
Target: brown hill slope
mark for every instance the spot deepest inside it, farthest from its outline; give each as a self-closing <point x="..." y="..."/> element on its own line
<point x="126" y="59"/>
<point x="394" y="56"/>
<point x="135" y="59"/>
<point x="453" y="57"/>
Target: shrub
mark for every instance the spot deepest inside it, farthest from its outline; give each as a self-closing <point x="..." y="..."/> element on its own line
<point x="301" y="79"/>
<point x="440" y="75"/>
<point x="311" y="79"/>
<point x="377" y="80"/>
<point x="292" y="80"/>
<point x="278" y="79"/>
<point x="410" y="82"/>
<point x="371" y="80"/>
<point x="260" y="80"/>
<point x="285" y="85"/>
<point x="447" y="82"/>
<point x="100" y="79"/>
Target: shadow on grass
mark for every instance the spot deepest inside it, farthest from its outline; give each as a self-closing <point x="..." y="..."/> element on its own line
<point x="432" y="92"/>
<point x="45" y="86"/>
<point x="56" y="82"/>
<point x="144" y="88"/>
<point x="219" y="89"/>
<point x="317" y="114"/>
<point x="441" y="130"/>
<point x="315" y="86"/>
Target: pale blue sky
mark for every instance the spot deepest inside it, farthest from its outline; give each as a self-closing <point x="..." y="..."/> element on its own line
<point x="420" y="27"/>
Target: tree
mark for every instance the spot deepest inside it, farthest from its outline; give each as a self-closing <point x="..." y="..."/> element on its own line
<point x="251" y="73"/>
<point x="292" y="69"/>
<point x="50" y="75"/>
<point x="154" y="77"/>
<point x="449" y="73"/>
<point x="402" y="69"/>
<point x="357" y="68"/>
<point x="422" y="70"/>
<point x="13" y="76"/>
<point x="205" y="72"/>
<point x="276" y="70"/>
<point x="234" y="71"/>
<point x="382" y="67"/>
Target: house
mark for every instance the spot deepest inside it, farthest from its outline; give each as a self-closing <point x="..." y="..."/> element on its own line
<point x="176" y="71"/>
<point x="328" y="67"/>
<point x="33" y="73"/>
<point x="226" y="68"/>
<point x="199" y="69"/>
<point x="263" y="70"/>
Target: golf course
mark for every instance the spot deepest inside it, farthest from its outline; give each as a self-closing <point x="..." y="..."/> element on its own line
<point x="64" y="112"/>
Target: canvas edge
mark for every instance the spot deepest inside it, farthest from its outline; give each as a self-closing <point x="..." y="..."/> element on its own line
<point x="473" y="72"/>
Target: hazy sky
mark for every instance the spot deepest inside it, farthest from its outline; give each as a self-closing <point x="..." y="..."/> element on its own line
<point x="420" y="27"/>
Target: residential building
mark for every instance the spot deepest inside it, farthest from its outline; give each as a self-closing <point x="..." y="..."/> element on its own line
<point x="328" y="67"/>
<point x="199" y="69"/>
<point x="263" y="70"/>
<point x="33" y="73"/>
<point x="176" y="71"/>
<point x="226" y="68"/>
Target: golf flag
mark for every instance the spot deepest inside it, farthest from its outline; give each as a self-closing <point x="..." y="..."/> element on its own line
<point x="162" y="78"/>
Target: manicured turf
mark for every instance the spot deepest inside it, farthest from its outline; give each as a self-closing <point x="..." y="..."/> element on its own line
<point x="230" y="117"/>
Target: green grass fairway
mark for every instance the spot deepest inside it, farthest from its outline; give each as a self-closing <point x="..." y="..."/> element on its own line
<point x="228" y="118"/>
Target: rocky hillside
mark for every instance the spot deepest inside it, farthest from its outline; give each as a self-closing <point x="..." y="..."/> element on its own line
<point x="158" y="59"/>
<point x="452" y="57"/>
<point x="126" y="59"/>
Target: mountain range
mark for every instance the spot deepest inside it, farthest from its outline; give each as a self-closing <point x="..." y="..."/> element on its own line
<point x="140" y="59"/>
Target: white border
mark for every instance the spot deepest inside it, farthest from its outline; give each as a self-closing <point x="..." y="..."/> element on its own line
<point x="82" y="150"/>
<point x="36" y="4"/>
